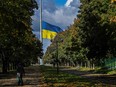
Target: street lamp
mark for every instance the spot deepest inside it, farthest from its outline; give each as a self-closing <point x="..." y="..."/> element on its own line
<point x="57" y="57"/>
<point x="60" y="40"/>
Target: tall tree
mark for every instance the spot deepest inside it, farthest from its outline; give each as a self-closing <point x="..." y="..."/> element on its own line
<point x="94" y="25"/>
<point x="15" y="28"/>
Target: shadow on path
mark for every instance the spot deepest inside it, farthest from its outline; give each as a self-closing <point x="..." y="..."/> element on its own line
<point x="32" y="78"/>
<point x="109" y="80"/>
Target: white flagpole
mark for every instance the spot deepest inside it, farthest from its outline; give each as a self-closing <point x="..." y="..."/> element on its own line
<point x="41" y="20"/>
<point x="41" y="60"/>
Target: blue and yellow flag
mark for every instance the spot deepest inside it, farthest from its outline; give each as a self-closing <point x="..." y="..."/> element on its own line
<point x="112" y="1"/>
<point x="49" y="31"/>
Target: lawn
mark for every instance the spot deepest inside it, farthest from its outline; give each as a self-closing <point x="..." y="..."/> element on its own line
<point x="64" y="79"/>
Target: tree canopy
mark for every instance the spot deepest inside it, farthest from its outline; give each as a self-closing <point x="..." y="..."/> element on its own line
<point x="17" y="42"/>
<point x="92" y="36"/>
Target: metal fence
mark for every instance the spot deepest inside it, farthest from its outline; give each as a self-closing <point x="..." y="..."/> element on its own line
<point x="110" y="63"/>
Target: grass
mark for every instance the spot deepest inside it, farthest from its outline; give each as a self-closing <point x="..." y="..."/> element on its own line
<point x="112" y="72"/>
<point x="97" y="70"/>
<point x="105" y="71"/>
<point x="63" y="79"/>
<point x="85" y="69"/>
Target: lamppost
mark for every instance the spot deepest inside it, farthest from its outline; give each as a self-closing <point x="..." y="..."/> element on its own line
<point x="57" y="52"/>
<point x="57" y="57"/>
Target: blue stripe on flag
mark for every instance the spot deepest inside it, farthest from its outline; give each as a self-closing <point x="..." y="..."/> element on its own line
<point x="51" y="27"/>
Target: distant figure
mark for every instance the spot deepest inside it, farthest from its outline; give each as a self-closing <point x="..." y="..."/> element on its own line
<point x="20" y="73"/>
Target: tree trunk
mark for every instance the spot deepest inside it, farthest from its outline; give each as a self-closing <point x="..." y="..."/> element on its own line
<point x="8" y="65"/>
<point x="4" y="66"/>
<point x="85" y="65"/>
<point x="14" y="65"/>
<point x="81" y="64"/>
<point x="88" y="64"/>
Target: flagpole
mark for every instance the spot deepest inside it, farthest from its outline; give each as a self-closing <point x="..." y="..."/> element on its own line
<point x="41" y="60"/>
<point x="41" y="20"/>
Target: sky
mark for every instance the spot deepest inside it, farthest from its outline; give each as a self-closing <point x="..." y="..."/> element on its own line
<point x="56" y="12"/>
<point x="60" y="2"/>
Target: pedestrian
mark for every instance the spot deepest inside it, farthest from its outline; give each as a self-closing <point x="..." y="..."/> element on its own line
<point x="20" y="73"/>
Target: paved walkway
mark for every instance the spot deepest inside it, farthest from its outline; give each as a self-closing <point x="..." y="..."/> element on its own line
<point x="32" y="78"/>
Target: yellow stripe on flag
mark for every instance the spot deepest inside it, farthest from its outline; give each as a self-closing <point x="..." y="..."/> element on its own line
<point x="48" y="34"/>
<point x="112" y="1"/>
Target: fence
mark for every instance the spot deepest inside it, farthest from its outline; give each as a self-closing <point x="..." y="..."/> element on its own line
<point x="110" y="63"/>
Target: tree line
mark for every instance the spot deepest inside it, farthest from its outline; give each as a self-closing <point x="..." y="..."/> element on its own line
<point x="17" y="42"/>
<point x="90" y="39"/>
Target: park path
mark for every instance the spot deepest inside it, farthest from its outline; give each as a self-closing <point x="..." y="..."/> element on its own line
<point x="104" y="79"/>
<point x="32" y="78"/>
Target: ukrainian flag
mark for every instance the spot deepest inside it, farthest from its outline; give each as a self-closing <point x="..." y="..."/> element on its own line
<point x="112" y="1"/>
<point x="49" y="31"/>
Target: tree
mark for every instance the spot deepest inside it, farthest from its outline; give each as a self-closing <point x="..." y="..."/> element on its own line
<point x="94" y="26"/>
<point x="92" y="36"/>
<point x="16" y="32"/>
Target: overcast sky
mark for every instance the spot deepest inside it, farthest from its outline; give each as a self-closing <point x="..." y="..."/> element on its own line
<point x="57" y="12"/>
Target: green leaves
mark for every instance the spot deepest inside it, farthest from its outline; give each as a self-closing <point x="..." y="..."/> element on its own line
<point x="93" y="34"/>
<point x="16" y="32"/>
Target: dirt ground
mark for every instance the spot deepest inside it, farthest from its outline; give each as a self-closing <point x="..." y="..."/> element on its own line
<point x="32" y="78"/>
<point x="104" y="79"/>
